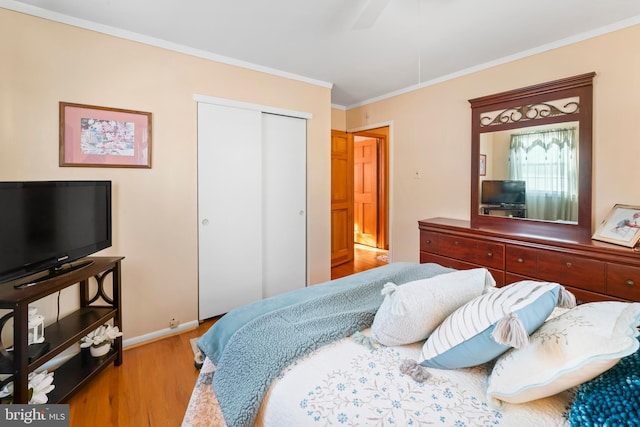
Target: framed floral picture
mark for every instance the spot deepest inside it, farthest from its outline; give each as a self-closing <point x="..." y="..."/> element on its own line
<point x="621" y="226"/>
<point x="483" y="164"/>
<point x="104" y="137"/>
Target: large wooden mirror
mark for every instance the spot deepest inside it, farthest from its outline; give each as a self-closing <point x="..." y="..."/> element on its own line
<point x="531" y="160"/>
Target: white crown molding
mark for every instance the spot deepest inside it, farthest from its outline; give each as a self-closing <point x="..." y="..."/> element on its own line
<point x="152" y="41"/>
<point x="530" y="52"/>
<point x="128" y="35"/>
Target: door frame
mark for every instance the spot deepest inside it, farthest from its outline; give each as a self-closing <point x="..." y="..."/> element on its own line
<point x="382" y="185"/>
<point x="389" y="161"/>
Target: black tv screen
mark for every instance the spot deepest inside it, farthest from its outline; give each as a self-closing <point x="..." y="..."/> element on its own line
<point x="46" y="224"/>
<point x="503" y="192"/>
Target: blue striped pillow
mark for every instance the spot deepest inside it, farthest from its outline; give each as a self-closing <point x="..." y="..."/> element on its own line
<point x="468" y="337"/>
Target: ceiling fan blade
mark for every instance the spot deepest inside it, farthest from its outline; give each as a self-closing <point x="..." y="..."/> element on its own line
<point x="370" y="14"/>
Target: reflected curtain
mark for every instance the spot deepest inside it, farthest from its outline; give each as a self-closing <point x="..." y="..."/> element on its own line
<point x="547" y="161"/>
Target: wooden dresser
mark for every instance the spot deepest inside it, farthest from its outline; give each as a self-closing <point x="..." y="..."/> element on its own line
<point x="593" y="271"/>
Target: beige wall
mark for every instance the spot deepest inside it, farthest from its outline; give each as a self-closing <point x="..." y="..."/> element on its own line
<point x="155" y="210"/>
<point x="155" y="217"/>
<point x="431" y="131"/>
<point x="338" y="119"/>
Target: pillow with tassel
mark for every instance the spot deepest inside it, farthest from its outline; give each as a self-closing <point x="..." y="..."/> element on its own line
<point x="410" y="312"/>
<point x="490" y="324"/>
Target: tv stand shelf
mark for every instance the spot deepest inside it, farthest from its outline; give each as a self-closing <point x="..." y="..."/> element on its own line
<point x="518" y="211"/>
<point x="94" y="311"/>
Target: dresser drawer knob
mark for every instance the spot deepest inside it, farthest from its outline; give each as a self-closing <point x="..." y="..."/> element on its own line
<point x="490" y="254"/>
<point x="568" y="265"/>
<point x="631" y="283"/>
<point x="456" y="243"/>
<point x="520" y="260"/>
<point x="428" y="242"/>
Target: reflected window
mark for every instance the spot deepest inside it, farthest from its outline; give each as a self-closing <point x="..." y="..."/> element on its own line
<point x="547" y="161"/>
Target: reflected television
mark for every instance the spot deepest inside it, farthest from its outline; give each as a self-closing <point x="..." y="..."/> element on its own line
<point x="503" y="193"/>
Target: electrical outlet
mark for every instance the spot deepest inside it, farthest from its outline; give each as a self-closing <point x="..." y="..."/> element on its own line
<point x="173" y="323"/>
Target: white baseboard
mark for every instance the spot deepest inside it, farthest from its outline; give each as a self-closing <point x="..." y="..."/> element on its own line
<point x="153" y="336"/>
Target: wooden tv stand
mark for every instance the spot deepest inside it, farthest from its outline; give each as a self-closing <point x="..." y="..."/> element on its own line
<point x="591" y="270"/>
<point x="518" y="211"/>
<point x="94" y="311"/>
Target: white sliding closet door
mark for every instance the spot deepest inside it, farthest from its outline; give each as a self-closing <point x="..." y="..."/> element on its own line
<point x="229" y="208"/>
<point x="284" y="203"/>
<point x="251" y="206"/>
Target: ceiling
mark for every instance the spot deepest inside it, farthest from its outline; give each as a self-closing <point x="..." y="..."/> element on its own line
<point x="365" y="49"/>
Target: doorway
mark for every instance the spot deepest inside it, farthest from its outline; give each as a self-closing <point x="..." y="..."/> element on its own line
<point x="360" y="197"/>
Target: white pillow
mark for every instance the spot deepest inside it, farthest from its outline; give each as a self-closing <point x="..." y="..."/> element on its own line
<point x="566" y="351"/>
<point x="490" y="324"/>
<point x="410" y="312"/>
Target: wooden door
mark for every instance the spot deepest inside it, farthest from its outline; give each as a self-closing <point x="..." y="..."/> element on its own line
<point x="341" y="197"/>
<point x="365" y="196"/>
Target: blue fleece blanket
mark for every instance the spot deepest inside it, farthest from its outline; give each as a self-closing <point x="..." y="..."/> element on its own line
<point x="252" y="345"/>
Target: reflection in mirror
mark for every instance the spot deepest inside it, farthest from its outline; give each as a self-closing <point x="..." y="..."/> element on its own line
<point x="531" y="173"/>
<point x="537" y="138"/>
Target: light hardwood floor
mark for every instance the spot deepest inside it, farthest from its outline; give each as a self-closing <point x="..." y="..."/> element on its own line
<point x="153" y="385"/>
<point x="151" y="388"/>
<point x="365" y="258"/>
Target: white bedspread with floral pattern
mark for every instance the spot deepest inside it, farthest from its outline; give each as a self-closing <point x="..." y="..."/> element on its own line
<point x="346" y="384"/>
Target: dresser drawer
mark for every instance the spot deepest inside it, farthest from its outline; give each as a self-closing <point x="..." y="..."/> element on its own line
<point x="581" y="295"/>
<point x="583" y="273"/>
<point x="486" y="254"/>
<point x="522" y="260"/>
<point x="498" y="275"/>
<point x="592" y="270"/>
<point x="623" y="281"/>
<point x="429" y="241"/>
<point x="510" y="278"/>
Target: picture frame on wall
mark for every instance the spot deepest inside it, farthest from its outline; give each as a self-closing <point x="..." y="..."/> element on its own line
<point x="483" y="165"/>
<point x="93" y="136"/>
<point x="621" y="226"/>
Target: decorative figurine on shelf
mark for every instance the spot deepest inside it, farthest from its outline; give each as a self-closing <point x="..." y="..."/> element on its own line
<point x="99" y="341"/>
<point x="35" y="327"/>
<point x="40" y="383"/>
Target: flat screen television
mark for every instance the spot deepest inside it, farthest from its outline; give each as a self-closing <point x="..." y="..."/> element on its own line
<point x="46" y="225"/>
<point x="502" y="193"/>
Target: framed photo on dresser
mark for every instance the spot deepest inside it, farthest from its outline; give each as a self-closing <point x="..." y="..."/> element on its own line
<point x="621" y="226"/>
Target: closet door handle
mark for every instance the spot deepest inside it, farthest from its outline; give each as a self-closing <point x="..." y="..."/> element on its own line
<point x="205" y="221"/>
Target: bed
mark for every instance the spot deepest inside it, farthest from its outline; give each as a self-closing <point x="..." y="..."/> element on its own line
<point x="419" y="344"/>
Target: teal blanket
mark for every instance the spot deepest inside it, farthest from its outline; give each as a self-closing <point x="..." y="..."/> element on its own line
<point x="250" y="346"/>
